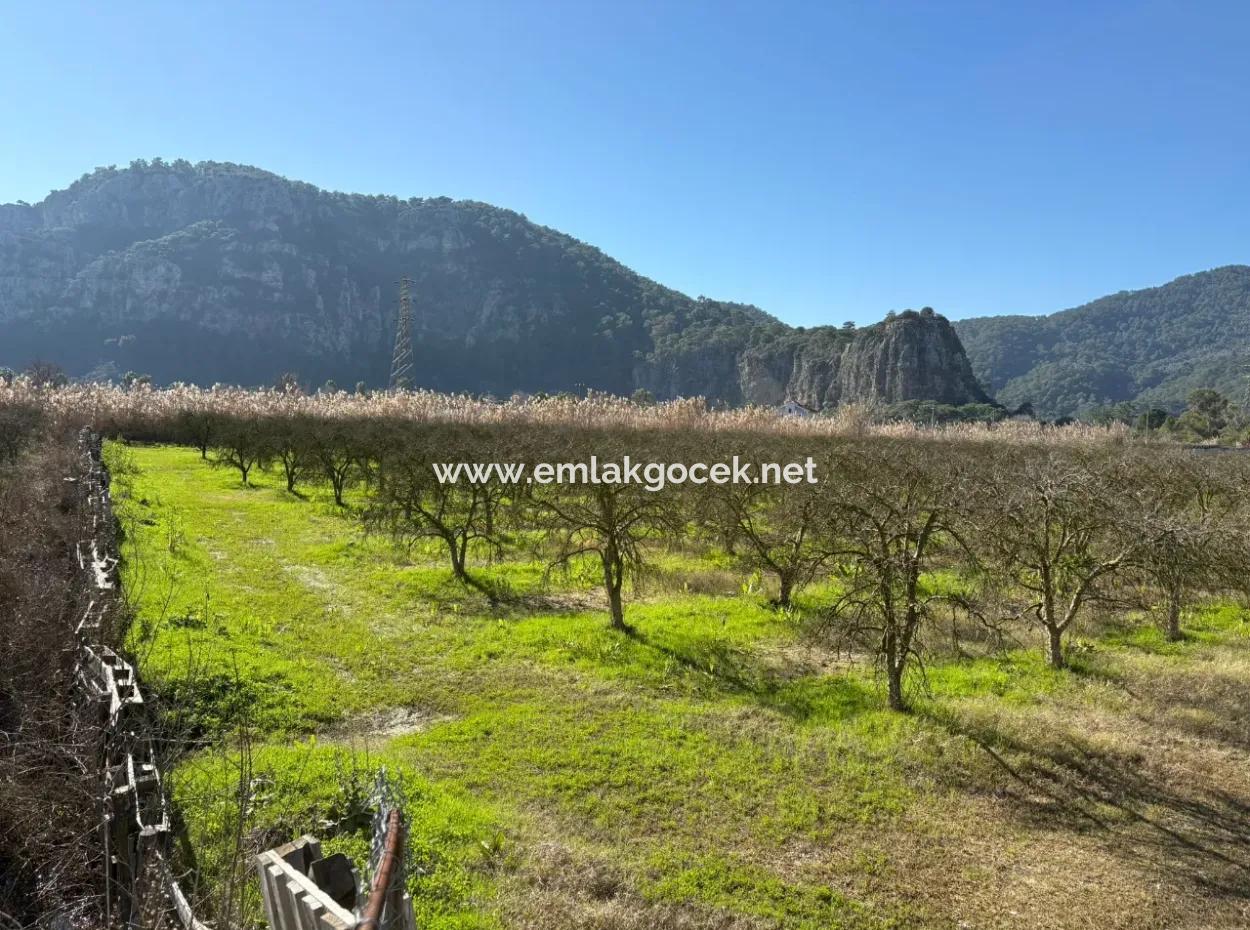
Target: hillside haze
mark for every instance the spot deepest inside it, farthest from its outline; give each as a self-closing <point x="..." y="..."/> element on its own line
<point x="225" y="273"/>
<point x="1150" y="346"/>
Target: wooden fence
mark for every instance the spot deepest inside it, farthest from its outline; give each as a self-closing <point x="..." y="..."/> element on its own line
<point x="140" y="888"/>
<point x="301" y="889"/>
<point x="304" y="891"/>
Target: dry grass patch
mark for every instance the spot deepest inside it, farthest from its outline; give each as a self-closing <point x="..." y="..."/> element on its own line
<point x="371" y="731"/>
<point x="560" y="888"/>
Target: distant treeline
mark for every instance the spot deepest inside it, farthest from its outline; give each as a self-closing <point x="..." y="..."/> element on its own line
<point x="1207" y="417"/>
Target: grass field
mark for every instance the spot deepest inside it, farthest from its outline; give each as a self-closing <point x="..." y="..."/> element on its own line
<point x="718" y="769"/>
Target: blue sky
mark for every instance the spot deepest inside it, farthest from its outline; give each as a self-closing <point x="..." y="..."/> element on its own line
<point x="826" y="161"/>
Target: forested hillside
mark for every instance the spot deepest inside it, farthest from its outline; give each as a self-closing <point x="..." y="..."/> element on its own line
<point x="1152" y="346"/>
<point x="218" y="272"/>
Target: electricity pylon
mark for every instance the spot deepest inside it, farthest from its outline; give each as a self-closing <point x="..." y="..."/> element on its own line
<point x="401" y="360"/>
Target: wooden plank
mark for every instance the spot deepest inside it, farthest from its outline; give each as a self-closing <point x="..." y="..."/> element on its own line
<point x="293" y="901"/>
<point x="263" y="862"/>
<point x="338" y="918"/>
<point x="312" y="913"/>
<point x="182" y="907"/>
<point x="288" y="896"/>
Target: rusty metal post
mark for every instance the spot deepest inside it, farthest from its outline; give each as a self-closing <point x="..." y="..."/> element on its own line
<point x="392" y="858"/>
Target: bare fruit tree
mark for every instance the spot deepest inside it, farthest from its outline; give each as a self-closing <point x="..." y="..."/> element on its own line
<point x="1189" y="525"/>
<point x="1049" y="520"/>
<point x="292" y="449"/>
<point x="333" y="449"/>
<point x="609" y="521"/>
<point x="242" y="443"/>
<point x="890" y="515"/>
<point x="411" y="503"/>
<point x="779" y="525"/>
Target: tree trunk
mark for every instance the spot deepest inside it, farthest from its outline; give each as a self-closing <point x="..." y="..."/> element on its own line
<point x="617" y="609"/>
<point x="459" y="567"/>
<point x="459" y="560"/>
<point x="1173" y="629"/>
<point x="894" y="671"/>
<point x="613" y="578"/>
<point x="786" y="580"/>
<point x="1054" y="651"/>
<point x="894" y="656"/>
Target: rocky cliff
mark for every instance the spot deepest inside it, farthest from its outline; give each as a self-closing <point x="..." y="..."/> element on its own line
<point x="218" y="272"/>
<point x="909" y="356"/>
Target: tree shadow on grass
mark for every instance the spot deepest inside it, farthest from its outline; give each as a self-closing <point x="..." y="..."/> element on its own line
<point x="436" y="586"/>
<point x="1207" y="703"/>
<point x="520" y="605"/>
<point x="1188" y="833"/>
<point x="727" y="669"/>
<point x="1093" y="671"/>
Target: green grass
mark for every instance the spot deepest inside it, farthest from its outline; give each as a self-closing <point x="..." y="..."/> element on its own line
<point x="695" y="756"/>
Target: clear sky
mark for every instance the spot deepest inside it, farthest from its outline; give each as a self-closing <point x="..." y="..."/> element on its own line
<point x="826" y="161"/>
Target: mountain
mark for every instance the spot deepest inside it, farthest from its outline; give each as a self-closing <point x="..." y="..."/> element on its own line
<point x="1151" y="346"/>
<point x="219" y="272"/>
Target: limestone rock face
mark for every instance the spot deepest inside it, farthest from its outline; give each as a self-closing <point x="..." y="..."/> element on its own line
<point x="912" y="356"/>
<point x="216" y="272"/>
<point x="908" y="358"/>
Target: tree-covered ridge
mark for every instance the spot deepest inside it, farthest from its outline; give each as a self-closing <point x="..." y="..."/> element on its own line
<point x="231" y="240"/>
<point x="219" y="272"/>
<point x="1151" y="346"/>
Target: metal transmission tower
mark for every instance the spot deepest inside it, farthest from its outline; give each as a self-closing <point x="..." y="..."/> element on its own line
<point x="401" y="361"/>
